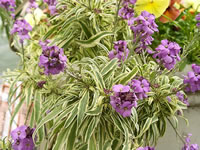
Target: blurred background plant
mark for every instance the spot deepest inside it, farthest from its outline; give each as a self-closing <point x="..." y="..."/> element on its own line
<point x="182" y="31"/>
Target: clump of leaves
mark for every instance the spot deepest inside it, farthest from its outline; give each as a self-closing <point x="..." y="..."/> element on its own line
<point x="5" y="144"/>
<point x="72" y="109"/>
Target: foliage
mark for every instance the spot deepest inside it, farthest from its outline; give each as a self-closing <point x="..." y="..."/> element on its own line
<point x="5" y="144"/>
<point x="72" y="110"/>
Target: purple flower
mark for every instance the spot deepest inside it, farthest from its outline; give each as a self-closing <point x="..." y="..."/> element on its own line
<point x="120" y="51"/>
<point x="26" y="144"/>
<point x="198" y="20"/>
<point x="167" y="53"/>
<point x="126" y="12"/>
<point x="52" y="6"/>
<point x="22" y="28"/>
<point x="120" y="88"/>
<point x="169" y="99"/>
<point x="123" y="99"/>
<point x="32" y="5"/>
<point x="196" y="68"/>
<point x="143" y="28"/>
<point x="19" y="133"/>
<point x="146" y="148"/>
<point x="127" y="2"/>
<point x="9" y="5"/>
<point x="192" y="80"/>
<point x="141" y="87"/>
<point x="52" y="59"/>
<point x="182" y="98"/>
<point x="187" y="145"/>
<point x="22" y="137"/>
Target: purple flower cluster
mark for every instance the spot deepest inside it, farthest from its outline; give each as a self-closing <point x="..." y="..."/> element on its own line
<point x="22" y="137"/>
<point x="167" y="53"/>
<point x="146" y="148"/>
<point x="22" y="28"/>
<point x="9" y="5"/>
<point x="189" y="146"/>
<point x="52" y="6"/>
<point x="143" y="28"/>
<point x="123" y="99"/>
<point x="192" y="80"/>
<point x="141" y="87"/>
<point x="32" y="5"/>
<point x="127" y="2"/>
<point x="126" y="97"/>
<point x="182" y="98"/>
<point x="198" y="20"/>
<point x="52" y="59"/>
<point x="120" y="51"/>
<point x="127" y="12"/>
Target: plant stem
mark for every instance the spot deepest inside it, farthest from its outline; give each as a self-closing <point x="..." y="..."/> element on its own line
<point x="29" y="110"/>
<point x="77" y="78"/>
<point x="116" y="21"/>
<point x="181" y="138"/>
<point x="23" y="55"/>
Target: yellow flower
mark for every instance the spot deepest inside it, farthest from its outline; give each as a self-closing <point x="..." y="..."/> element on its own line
<point x="156" y="7"/>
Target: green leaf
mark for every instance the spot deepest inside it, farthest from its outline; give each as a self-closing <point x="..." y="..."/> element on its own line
<point x="117" y="123"/>
<point x="108" y="145"/>
<point x="147" y="125"/>
<point x="37" y="103"/>
<point x="11" y="92"/>
<point x="71" y="137"/>
<point x="21" y="101"/>
<point x="29" y="89"/>
<point x="91" y="127"/>
<point x="82" y="107"/>
<point x="85" y="29"/>
<point x="71" y="117"/>
<point x="54" y="113"/>
<point x="95" y="111"/>
<point x="110" y="66"/>
<point x="97" y="76"/>
<point x="129" y="76"/>
<point x="60" y="141"/>
<point x="40" y="135"/>
<point x="92" y="143"/>
<point x="94" y="40"/>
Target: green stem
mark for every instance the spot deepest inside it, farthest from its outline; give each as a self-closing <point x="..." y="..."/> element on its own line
<point x="173" y="21"/>
<point x="23" y="55"/>
<point x="29" y="110"/>
<point x="181" y="138"/>
<point x="116" y="21"/>
<point x="77" y="78"/>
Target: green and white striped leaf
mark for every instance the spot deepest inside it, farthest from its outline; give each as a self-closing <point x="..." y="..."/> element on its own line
<point x="110" y="66"/>
<point x="54" y="113"/>
<point x="94" y="40"/>
<point x="82" y="108"/>
<point x="129" y="76"/>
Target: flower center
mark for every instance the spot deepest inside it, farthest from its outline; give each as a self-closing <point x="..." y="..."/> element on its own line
<point x="125" y="108"/>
